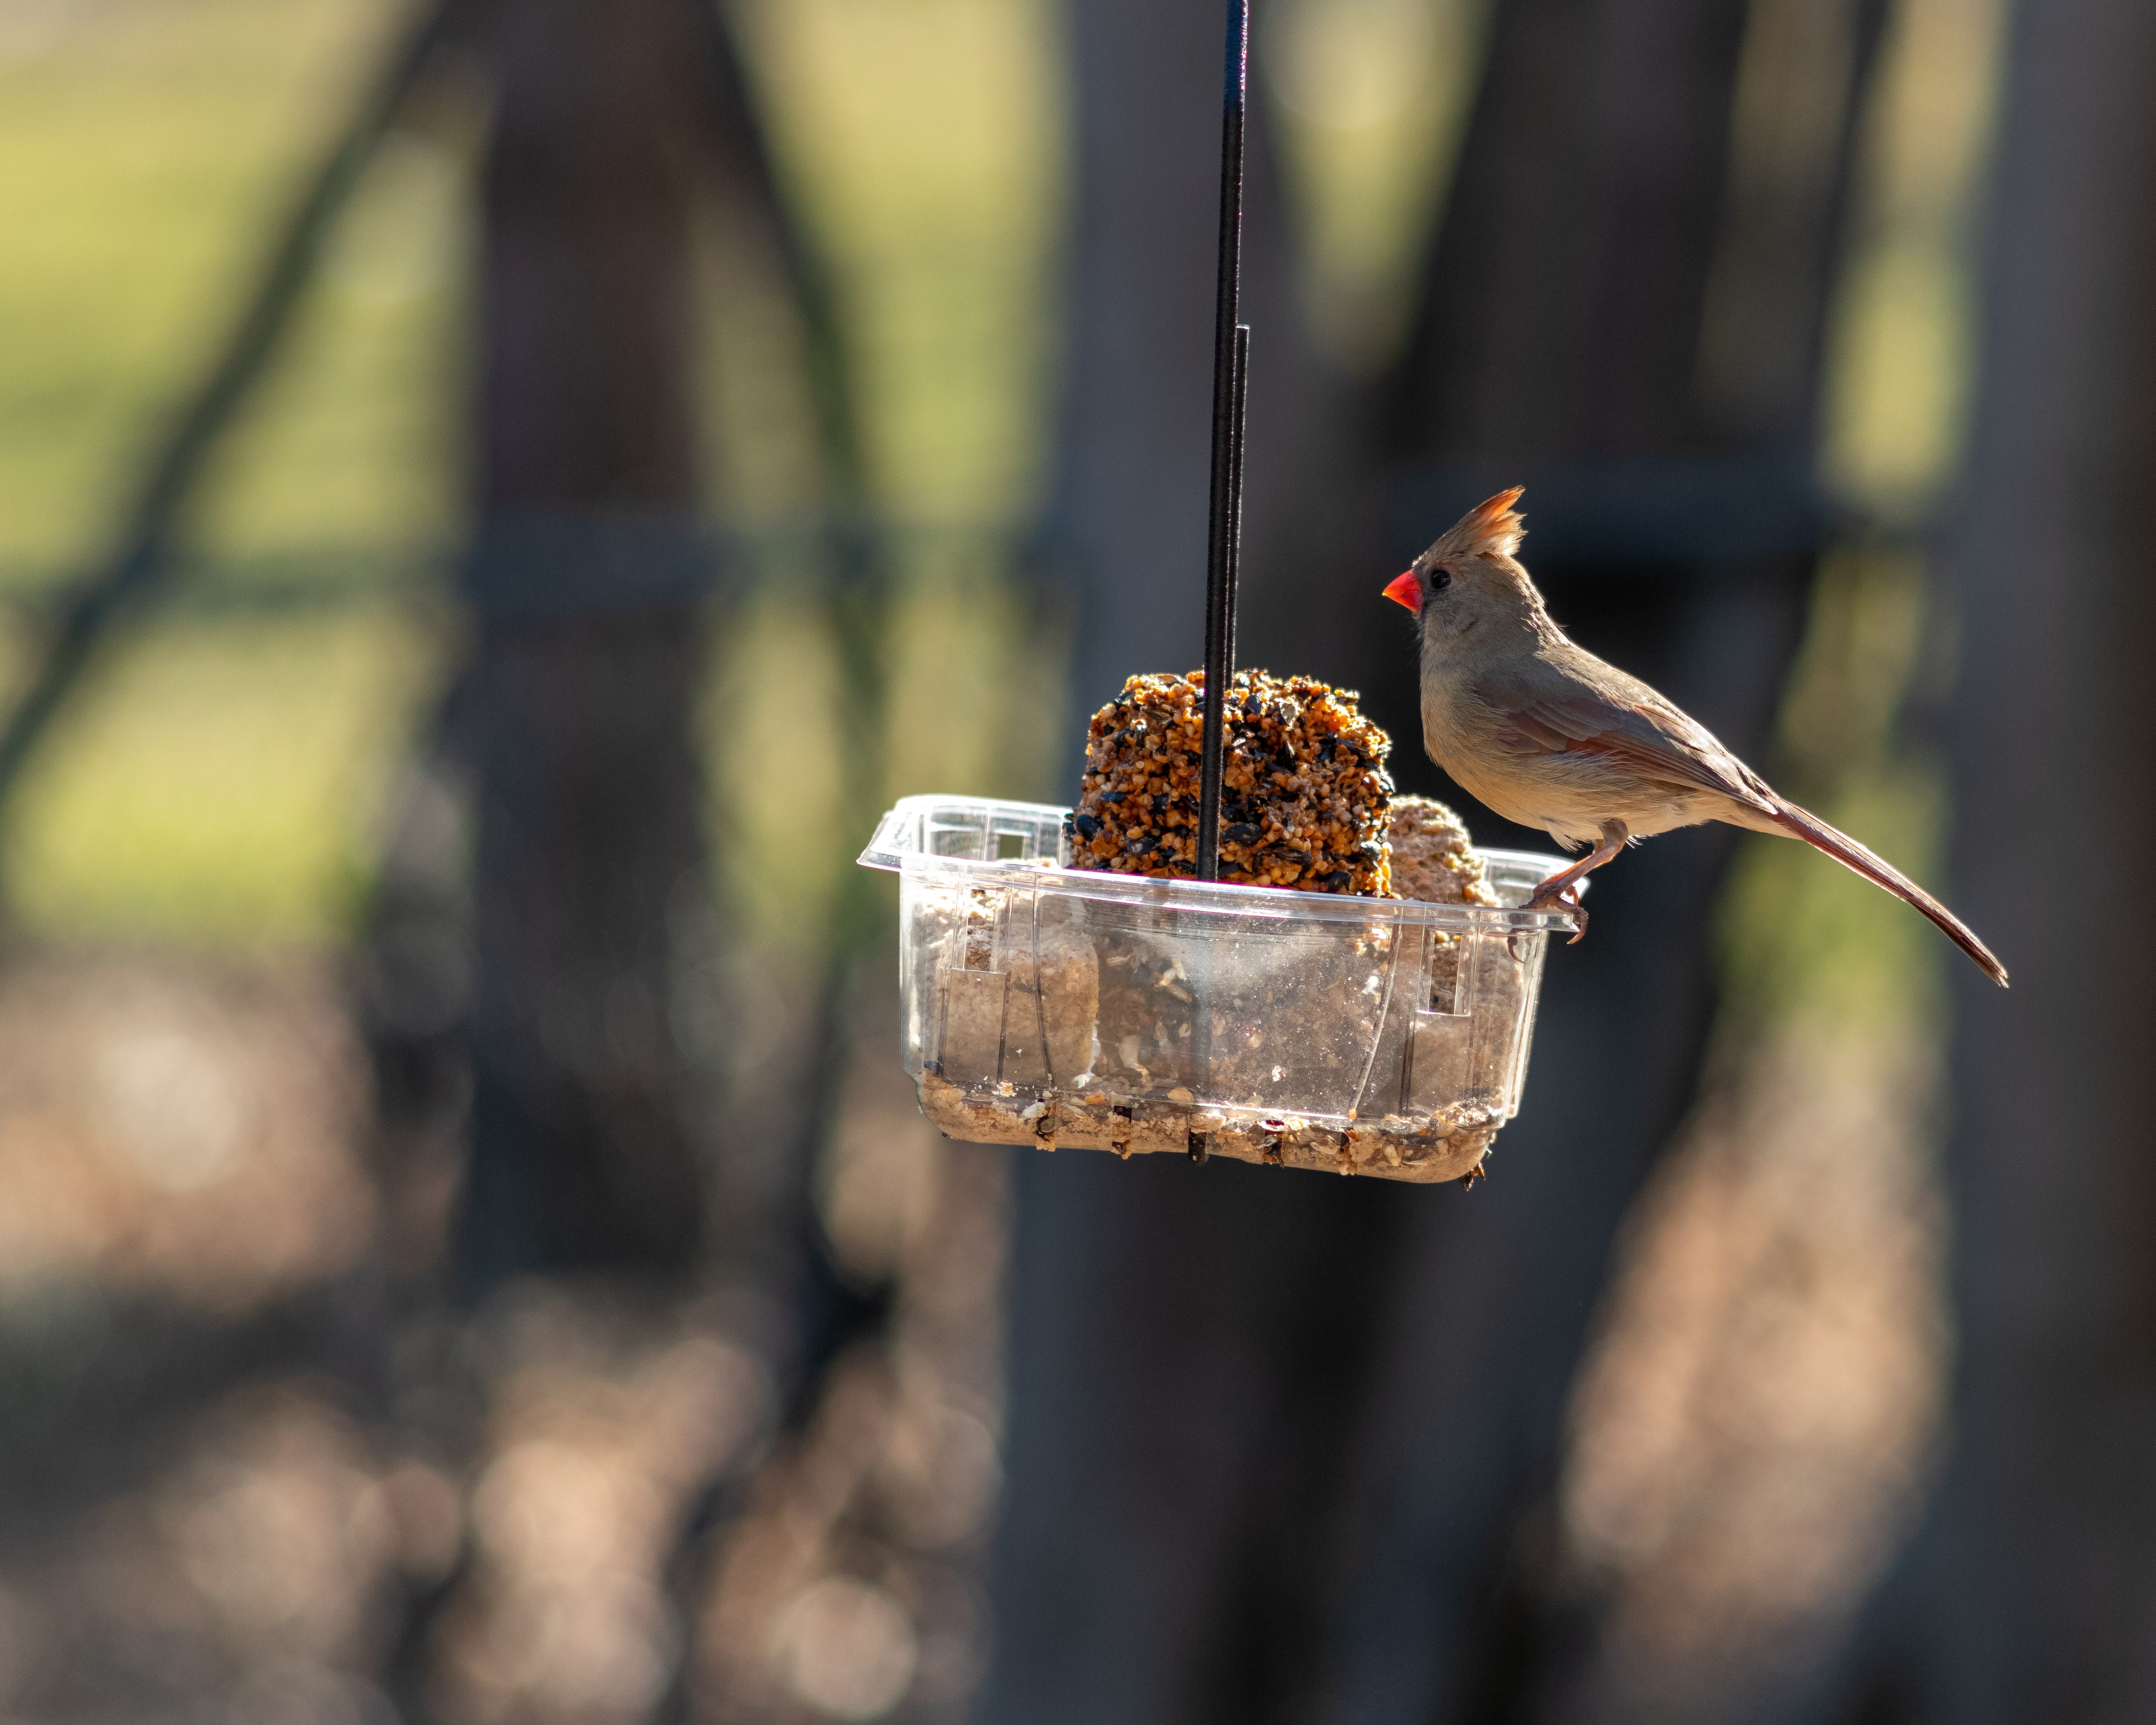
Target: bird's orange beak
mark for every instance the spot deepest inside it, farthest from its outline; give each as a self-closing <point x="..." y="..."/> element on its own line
<point x="1403" y="589"/>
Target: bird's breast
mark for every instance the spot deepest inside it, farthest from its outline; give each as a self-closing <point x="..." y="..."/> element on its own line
<point x="1568" y="793"/>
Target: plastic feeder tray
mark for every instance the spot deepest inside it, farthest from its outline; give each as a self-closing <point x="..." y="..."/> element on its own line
<point x="1052" y="1006"/>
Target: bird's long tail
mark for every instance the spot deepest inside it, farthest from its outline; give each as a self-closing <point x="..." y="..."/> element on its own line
<point x="1853" y="856"/>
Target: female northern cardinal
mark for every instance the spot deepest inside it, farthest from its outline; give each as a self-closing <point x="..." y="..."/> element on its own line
<point x="1550" y="736"/>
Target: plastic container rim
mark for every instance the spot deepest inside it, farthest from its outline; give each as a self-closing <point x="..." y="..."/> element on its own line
<point x="892" y="850"/>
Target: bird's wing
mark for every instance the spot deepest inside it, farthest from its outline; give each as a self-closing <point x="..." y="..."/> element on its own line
<point x="1628" y="726"/>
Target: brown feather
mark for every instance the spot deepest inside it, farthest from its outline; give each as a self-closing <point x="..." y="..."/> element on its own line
<point x="1490" y="529"/>
<point x="1859" y="861"/>
<point x="1650" y="738"/>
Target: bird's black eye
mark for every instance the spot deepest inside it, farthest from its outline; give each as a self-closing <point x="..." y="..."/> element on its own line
<point x="1441" y="578"/>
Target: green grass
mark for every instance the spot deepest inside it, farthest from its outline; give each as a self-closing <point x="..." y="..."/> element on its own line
<point x="1372" y="98"/>
<point x="214" y="785"/>
<point x="1902" y="349"/>
<point x="217" y="782"/>
<point x="1800" y="935"/>
<point x="146" y="147"/>
<point x="924" y="139"/>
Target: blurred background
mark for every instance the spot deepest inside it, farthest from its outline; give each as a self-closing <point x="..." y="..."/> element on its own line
<point x="497" y="497"/>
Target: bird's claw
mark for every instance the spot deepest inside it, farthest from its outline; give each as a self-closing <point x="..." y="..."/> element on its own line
<point x="1550" y="897"/>
<point x="1565" y="898"/>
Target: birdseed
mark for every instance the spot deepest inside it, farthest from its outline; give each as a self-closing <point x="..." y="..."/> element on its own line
<point x="1434" y="860"/>
<point x="1304" y="788"/>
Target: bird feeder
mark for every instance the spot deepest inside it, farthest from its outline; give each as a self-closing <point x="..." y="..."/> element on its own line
<point x="1055" y="1006"/>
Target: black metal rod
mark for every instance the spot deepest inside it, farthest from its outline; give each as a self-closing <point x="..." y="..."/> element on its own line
<point x="1230" y="351"/>
<point x="1236" y="427"/>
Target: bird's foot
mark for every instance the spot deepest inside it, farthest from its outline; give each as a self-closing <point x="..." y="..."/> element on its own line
<point x="1561" y="895"/>
<point x="1560" y="892"/>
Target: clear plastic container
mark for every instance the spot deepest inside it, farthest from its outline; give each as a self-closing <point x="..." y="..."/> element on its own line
<point x="1053" y="1006"/>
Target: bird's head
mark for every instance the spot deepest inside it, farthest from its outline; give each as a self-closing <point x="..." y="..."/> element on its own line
<point x="1470" y="576"/>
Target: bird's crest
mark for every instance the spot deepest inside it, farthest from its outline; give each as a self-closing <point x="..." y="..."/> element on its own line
<point x="1491" y="529"/>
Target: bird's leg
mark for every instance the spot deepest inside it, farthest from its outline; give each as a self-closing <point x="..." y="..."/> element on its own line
<point x="1561" y="891"/>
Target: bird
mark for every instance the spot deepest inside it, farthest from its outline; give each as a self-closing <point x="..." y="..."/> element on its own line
<point x="1549" y="736"/>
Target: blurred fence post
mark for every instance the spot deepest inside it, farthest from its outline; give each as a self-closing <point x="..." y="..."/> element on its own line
<point x="1624" y="309"/>
<point x="1278" y="1445"/>
<point x="2031" y="1594"/>
<point x="585" y="579"/>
